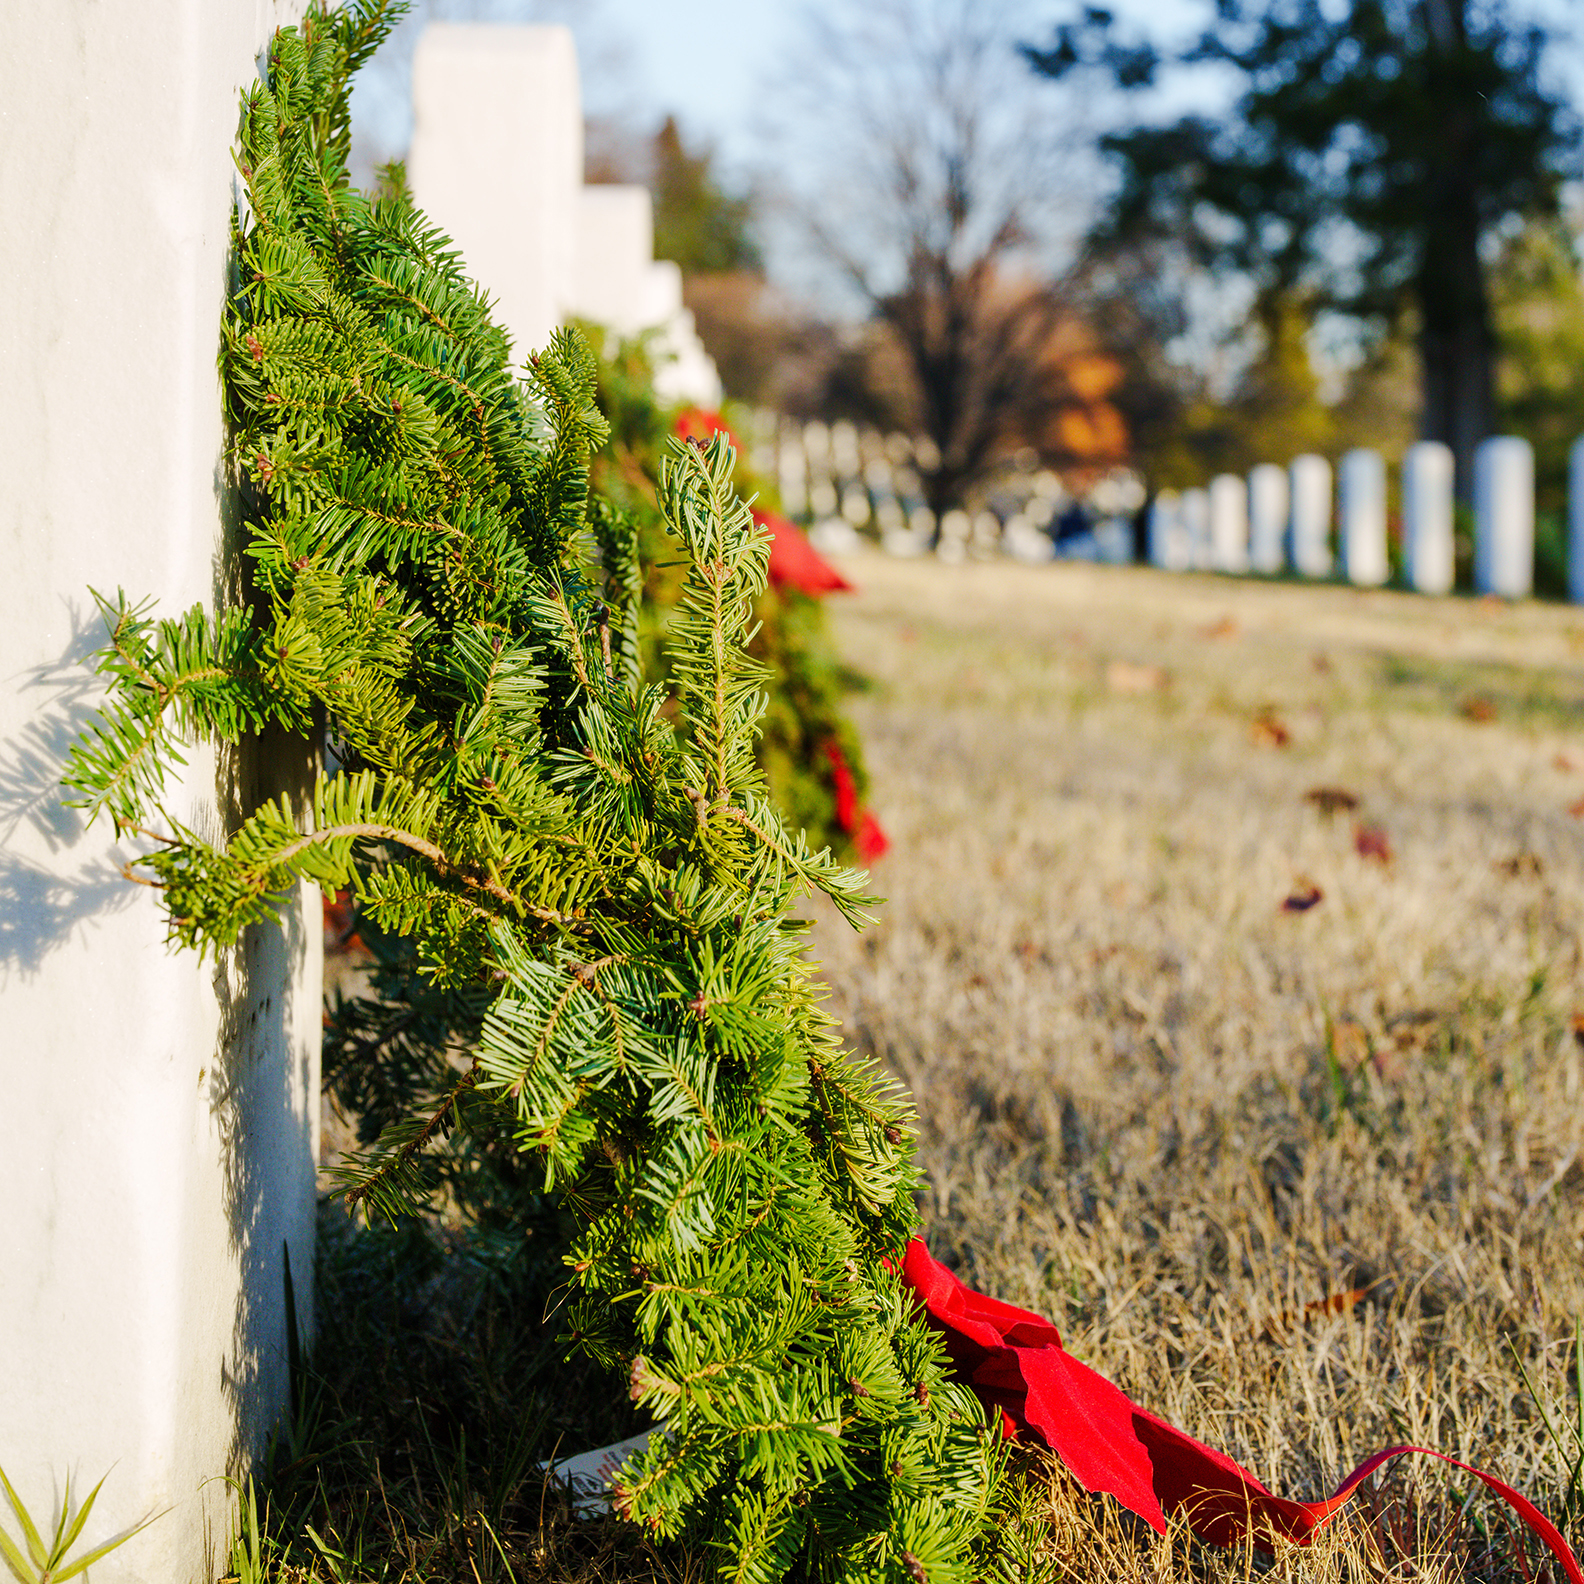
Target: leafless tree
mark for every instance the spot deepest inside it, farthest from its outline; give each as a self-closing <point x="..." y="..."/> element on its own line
<point x="931" y="187"/>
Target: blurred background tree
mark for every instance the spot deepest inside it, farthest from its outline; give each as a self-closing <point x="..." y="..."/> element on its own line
<point x="1538" y="310"/>
<point x="700" y="225"/>
<point x="768" y="349"/>
<point x="929" y="194"/>
<point x="1373" y="152"/>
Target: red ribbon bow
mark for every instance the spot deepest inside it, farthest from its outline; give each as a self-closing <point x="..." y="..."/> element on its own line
<point x="1014" y="1360"/>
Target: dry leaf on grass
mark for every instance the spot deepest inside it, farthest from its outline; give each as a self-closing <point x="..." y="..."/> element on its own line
<point x="1524" y="865"/>
<point x="1211" y="1031"/>
<point x="1279" y="1328"/>
<point x="1225" y="628"/>
<point x="1304" y="895"/>
<point x="1124" y="677"/>
<point x="1267" y="730"/>
<point x="1332" y="800"/>
<point x="1479" y="710"/>
<point x="1563" y="763"/>
<point x="1350" y="1045"/>
<point x="1577" y="809"/>
<point x="1372" y="842"/>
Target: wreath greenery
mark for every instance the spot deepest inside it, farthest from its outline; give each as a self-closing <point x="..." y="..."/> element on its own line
<point x="588" y="882"/>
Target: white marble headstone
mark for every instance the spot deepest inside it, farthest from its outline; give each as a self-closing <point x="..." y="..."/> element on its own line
<point x="1427" y="516"/>
<point x="1195" y="509"/>
<point x="1309" y="533"/>
<point x="1169" y="546"/>
<point x="1576" y="523"/>
<point x="159" y="1114"/>
<point x="1267" y="496"/>
<point x="1363" y="503"/>
<point x="1504" y="517"/>
<point x="1228" y="523"/>
<point x="497" y="161"/>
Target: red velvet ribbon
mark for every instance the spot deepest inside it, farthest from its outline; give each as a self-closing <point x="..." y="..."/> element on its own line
<point x="794" y="562"/>
<point x="1015" y="1361"/>
<point x="870" y="840"/>
<point x="699" y="423"/>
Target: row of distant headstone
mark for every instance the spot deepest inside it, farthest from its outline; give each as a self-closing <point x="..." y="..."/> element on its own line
<point x="1282" y="517"/>
<point x="846" y="481"/>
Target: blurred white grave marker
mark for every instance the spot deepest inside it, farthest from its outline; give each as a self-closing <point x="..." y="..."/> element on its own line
<point x="1267" y="495"/>
<point x="1169" y="544"/>
<point x="792" y="468"/>
<point x="1195" y="507"/>
<point x="855" y="505"/>
<point x="956" y="529"/>
<point x="1504" y="517"/>
<point x="497" y="161"/>
<point x="1024" y="541"/>
<point x="844" y="451"/>
<point x="1310" y="531"/>
<point x="1228" y="523"/>
<point x="1427" y="516"/>
<point x="1363" y="501"/>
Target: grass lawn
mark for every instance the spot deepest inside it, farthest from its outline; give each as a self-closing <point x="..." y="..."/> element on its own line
<point x="1232" y="952"/>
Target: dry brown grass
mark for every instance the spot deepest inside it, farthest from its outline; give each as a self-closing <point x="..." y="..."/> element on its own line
<point x="1160" y="1100"/>
<point x="1169" y="1114"/>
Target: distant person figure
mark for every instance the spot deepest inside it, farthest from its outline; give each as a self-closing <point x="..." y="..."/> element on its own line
<point x="1072" y="524"/>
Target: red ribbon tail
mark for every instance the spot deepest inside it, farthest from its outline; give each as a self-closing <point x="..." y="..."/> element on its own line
<point x="1015" y="1362"/>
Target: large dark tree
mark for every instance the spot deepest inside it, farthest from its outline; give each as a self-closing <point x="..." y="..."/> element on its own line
<point x="1370" y="152"/>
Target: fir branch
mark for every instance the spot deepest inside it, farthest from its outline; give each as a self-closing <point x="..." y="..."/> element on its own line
<point x="590" y="901"/>
<point x="414" y="1146"/>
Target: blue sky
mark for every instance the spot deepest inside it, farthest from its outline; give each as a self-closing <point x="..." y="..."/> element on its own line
<point x="715" y="63"/>
<point x="710" y="61"/>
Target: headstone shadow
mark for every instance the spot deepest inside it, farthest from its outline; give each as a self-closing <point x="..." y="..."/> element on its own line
<point x="43" y="903"/>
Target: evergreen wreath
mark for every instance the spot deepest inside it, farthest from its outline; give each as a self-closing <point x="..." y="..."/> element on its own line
<point x="805" y="731"/>
<point x="597" y="894"/>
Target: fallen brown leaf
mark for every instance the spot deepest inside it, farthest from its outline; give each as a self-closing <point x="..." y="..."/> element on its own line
<point x="1563" y="763"/>
<point x="1408" y="1037"/>
<point x="1371" y="841"/>
<point x="1124" y="677"/>
<point x="1577" y="809"/>
<point x="1225" y="628"/>
<point x="1332" y="800"/>
<point x="1267" y="730"/>
<point x="1479" y="710"/>
<point x="1318" y="1308"/>
<point x="1413" y="1033"/>
<point x="1322" y="664"/>
<point x="1520" y="866"/>
<point x="1349" y="1044"/>
<point x="1304" y="895"/>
